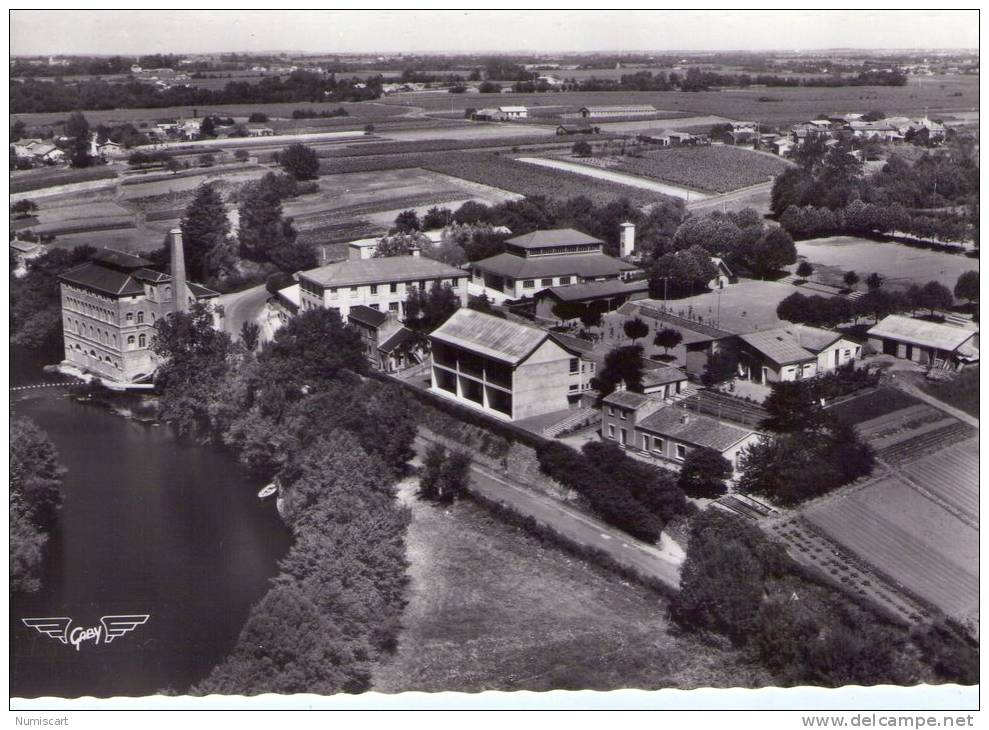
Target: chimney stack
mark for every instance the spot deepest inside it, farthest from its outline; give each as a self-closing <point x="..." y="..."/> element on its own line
<point x="626" y="241"/>
<point x="178" y="271"/>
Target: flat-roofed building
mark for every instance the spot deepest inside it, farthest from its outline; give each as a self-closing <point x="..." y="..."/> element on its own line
<point x="544" y="259"/>
<point x="506" y="369"/>
<point x="379" y="283"/>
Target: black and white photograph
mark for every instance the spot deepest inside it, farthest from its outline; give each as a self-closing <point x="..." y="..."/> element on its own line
<point x="358" y="353"/>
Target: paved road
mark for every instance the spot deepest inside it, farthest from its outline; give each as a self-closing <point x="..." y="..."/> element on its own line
<point x="242" y="306"/>
<point x="645" y="559"/>
<point x="714" y="202"/>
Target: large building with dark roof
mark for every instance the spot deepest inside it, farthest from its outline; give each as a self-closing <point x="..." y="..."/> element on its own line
<point x="109" y="308"/>
<point x="545" y="259"/>
<point x="378" y="283"/>
<point x="506" y="369"/>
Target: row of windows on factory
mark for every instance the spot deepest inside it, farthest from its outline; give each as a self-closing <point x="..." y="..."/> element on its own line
<point x="106" y="315"/>
<point x="103" y="336"/>
<point x="392" y="287"/>
<point x="100" y="358"/>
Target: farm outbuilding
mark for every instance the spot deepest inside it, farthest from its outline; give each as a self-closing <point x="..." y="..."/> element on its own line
<point x="928" y="343"/>
<point x="618" y="110"/>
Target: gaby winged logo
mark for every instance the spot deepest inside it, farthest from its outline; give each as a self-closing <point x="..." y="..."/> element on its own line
<point x="110" y="628"/>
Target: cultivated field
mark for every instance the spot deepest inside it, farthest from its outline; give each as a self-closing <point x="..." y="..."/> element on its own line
<point x="712" y="169"/>
<point x="940" y="95"/>
<point x="900" y="265"/>
<point x="872" y="404"/>
<point x="594" y="172"/>
<point x="493" y="608"/>
<point x="45" y="177"/>
<point x="910" y="538"/>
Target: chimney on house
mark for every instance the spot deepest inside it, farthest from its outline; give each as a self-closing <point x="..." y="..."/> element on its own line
<point x="178" y="271"/>
<point x="626" y="241"/>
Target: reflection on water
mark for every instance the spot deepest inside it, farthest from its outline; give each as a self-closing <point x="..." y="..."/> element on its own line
<point x="148" y="526"/>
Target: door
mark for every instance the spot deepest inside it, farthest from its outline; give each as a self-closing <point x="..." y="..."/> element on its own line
<point x="909" y="352"/>
<point x="624" y="437"/>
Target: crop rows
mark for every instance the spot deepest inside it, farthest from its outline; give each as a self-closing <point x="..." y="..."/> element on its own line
<point x="36" y="180"/>
<point x="713" y="168"/>
<point x="442" y="145"/>
<point x="952" y="476"/>
<point x="898" y="553"/>
<point x="871" y="405"/>
<point x="921" y="444"/>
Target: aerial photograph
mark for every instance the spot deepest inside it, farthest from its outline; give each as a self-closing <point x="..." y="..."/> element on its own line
<point x="444" y="351"/>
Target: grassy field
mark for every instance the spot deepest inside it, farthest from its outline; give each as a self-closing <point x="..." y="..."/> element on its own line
<point x="940" y="95"/>
<point x="900" y="265"/>
<point x="493" y="608"/>
<point x="713" y="169"/>
<point x="910" y="538"/>
<point x="24" y="181"/>
<point x="961" y="391"/>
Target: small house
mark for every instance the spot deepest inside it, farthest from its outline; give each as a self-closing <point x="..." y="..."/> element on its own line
<point x="928" y="343"/>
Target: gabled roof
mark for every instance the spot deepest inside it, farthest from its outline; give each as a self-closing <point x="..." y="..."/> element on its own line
<point x="355" y="272"/>
<point x="120" y="259"/>
<point x="101" y="278"/>
<point x="400" y="337"/>
<point x="920" y="332"/>
<point x="813" y="338"/>
<point x="626" y="399"/>
<point x="777" y="345"/>
<point x="694" y="428"/>
<point x="662" y="376"/>
<point x="513" y="109"/>
<point x="490" y="336"/>
<point x="585" y="265"/>
<point x="552" y="237"/>
<point x="199" y="291"/>
<point x="620" y="108"/>
<point x="366" y="315"/>
<point x="575" y="345"/>
<point x="596" y="290"/>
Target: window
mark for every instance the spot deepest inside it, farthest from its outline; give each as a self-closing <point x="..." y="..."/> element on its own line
<point x="392" y="306"/>
<point x="528" y="284"/>
<point x="564" y="280"/>
<point x="142" y="341"/>
<point x="333" y="291"/>
<point x="611" y="430"/>
<point x="574" y="365"/>
<point x="546" y="282"/>
<point x="611" y="411"/>
<point x="130" y="318"/>
<point x="645" y="442"/>
<point x="393" y="287"/>
<point x="681" y="451"/>
<point x="130" y="342"/>
<point x="140" y="317"/>
<point x="375" y="306"/>
<point x="623" y="414"/>
<point x="573" y="387"/>
<point x="658" y="446"/>
<point x="454" y="283"/>
<point x="354" y="291"/>
<point x="374" y="288"/>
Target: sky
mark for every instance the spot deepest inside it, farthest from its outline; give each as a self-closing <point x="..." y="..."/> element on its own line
<point x="138" y="32"/>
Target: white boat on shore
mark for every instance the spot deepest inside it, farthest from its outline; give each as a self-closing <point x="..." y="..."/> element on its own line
<point x="268" y="491"/>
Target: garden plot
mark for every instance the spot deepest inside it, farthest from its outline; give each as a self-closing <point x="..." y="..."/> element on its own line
<point x="708" y="168"/>
<point x="908" y="538"/>
<point x="92" y="215"/>
<point x="950" y="476"/>
<point x="905" y="419"/>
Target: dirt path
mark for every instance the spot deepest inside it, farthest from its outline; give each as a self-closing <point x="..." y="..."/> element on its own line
<point x="633" y="181"/>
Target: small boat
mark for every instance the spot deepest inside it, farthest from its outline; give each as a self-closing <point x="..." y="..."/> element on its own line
<point x="268" y="491"/>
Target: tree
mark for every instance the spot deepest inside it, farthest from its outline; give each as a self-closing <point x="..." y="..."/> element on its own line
<point x="581" y="149"/>
<point x="23" y="208"/>
<point x="445" y="475"/>
<point x="635" y="328"/>
<point x="851" y="279"/>
<point x="873" y="281"/>
<point x="264" y="236"/>
<point x="934" y="295"/>
<point x="206" y="160"/>
<point x="681" y="273"/>
<point x="209" y="249"/>
<point x="772" y="252"/>
<point x="967" y="286"/>
<point x="208" y="127"/>
<point x="703" y="473"/>
<point x="300" y="161"/>
<point x="250" y="335"/>
<point x="77" y="130"/>
<point x="35" y="474"/>
<point x="427" y="310"/>
<point x="667" y="338"/>
<point x="407" y="221"/>
<point x="591" y="316"/>
<point x="399" y="244"/>
<point x="173" y="165"/>
<point x="437" y="218"/>
<point x="804" y="270"/>
<point x="791" y="406"/>
<point x="257" y="118"/>
<point x="241" y="155"/>
<point x="621" y="365"/>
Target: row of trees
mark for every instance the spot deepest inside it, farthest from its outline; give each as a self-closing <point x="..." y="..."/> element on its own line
<point x="35" y="481"/>
<point x="299" y="412"/>
<point x="630" y="495"/>
<point x="34" y="96"/>
<point x="737" y="583"/>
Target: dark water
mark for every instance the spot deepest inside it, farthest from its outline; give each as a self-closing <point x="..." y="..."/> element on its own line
<point x="148" y="526"/>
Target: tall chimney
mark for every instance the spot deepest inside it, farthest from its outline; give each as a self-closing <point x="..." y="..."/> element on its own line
<point x="626" y="240"/>
<point x="178" y="271"/>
